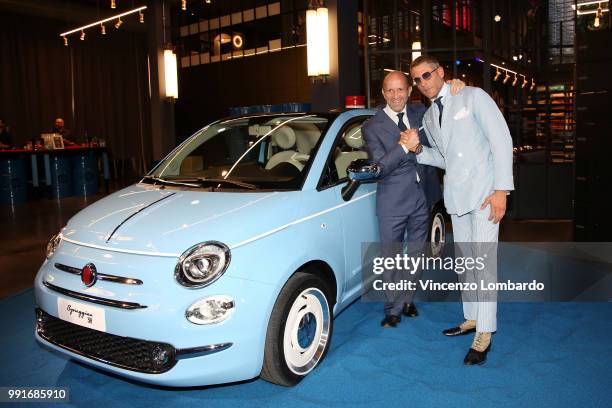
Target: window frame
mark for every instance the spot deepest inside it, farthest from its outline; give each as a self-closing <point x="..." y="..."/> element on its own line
<point x="328" y="161"/>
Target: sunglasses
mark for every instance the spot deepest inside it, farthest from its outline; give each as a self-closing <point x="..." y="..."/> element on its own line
<point x="425" y="77"/>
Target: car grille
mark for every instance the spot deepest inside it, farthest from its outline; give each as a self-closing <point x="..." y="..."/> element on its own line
<point x="124" y="352"/>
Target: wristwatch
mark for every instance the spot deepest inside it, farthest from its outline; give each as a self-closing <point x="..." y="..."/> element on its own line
<point x="418" y="149"/>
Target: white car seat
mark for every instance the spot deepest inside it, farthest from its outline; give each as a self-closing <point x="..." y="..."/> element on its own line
<point x="354" y="140"/>
<point x="284" y="138"/>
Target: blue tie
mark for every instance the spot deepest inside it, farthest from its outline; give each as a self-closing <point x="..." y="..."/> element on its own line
<point x="401" y="125"/>
<point x="438" y="102"/>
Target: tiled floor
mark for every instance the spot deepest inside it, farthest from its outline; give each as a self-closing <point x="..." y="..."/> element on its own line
<point x="26" y="228"/>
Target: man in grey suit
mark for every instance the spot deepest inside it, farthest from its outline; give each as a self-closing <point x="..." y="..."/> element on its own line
<point x="406" y="191"/>
<point x="471" y="141"/>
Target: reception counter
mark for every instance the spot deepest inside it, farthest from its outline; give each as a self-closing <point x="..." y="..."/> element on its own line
<point x="73" y="171"/>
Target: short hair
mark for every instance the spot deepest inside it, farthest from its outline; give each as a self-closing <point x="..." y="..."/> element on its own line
<point x="424" y="59"/>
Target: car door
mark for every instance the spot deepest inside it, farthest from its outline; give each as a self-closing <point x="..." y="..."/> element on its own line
<point x="358" y="214"/>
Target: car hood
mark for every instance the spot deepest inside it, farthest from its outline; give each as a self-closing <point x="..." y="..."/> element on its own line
<point x="151" y="220"/>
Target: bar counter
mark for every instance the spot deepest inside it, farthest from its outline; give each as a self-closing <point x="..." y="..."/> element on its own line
<point x="72" y="171"/>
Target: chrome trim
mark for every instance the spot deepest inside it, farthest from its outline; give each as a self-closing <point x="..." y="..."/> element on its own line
<point x="94" y="299"/>
<point x="100" y="276"/>
<point x="179" y="275"/>
<point x="182" y="354"/>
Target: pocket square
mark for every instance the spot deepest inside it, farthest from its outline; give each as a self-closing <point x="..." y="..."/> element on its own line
<point x="461" y="114"/>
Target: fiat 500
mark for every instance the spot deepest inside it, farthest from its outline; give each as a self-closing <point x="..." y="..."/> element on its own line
<point x="228" y="261"/>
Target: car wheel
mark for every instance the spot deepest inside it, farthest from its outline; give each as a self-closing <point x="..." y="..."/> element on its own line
<point x="437" y="232"/>
<point x="299" y="331"/>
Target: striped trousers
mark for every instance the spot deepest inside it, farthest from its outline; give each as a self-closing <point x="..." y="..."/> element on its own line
<point x="476" y="236"/>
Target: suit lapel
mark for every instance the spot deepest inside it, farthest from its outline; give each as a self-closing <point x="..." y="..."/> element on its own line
<point x="447" y="120"/>
<point x="412" y="118"/>
<point x="433" y="127"/>
<point x="388" y="125"/>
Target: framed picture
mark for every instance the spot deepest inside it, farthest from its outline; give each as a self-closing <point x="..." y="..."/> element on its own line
<point x="58" y="142"/>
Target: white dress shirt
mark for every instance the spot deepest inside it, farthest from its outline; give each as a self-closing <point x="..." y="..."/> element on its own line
<point x="444" y="92"/>
<point x="393" y="116"/>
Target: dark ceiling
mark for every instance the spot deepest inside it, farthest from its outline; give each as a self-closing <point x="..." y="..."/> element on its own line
<point x="73" y="12"/>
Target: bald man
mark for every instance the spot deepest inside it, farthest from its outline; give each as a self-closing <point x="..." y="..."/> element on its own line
<point x="407" y="190"/>
<point x="59" y="127"/>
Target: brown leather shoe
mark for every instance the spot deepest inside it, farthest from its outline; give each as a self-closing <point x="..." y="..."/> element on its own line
<point x="467" y="327"/>
<point x="477" y="354"/>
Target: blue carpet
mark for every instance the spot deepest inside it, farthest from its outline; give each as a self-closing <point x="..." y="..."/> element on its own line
<point x="544" y="355"/>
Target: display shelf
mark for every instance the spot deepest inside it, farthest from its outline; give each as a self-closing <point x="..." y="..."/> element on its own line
<point x="548" y="121"/>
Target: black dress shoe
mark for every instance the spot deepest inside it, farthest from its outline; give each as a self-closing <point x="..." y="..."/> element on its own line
<point x="458" y="331"/>
<point x="390" y="321"/>
<point x="474" y="357"/>
<point x="410" y="310"/>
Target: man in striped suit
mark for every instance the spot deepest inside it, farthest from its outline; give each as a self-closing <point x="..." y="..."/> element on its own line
<point x="470" y="139"/>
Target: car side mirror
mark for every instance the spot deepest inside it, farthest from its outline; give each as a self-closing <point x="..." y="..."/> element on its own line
<point x="359" y="171"/>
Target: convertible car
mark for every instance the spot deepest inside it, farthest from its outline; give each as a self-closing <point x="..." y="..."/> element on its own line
<point x="228" y="261"/>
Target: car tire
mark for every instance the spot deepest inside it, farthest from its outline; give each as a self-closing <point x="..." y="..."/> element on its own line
<point x="300" y="330"/>
<point x="437" y="230"/>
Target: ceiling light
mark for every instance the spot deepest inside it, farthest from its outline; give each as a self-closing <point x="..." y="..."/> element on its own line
<point x="141" y="16"/>
<point x="102" y="29"/>
<point x="506" y="78"/>
<point x="118" y="23"/>
<point x="113" y="4"/>
<point x="82" y="35"/>
<point x="497" y="74"/>
<point x="65" y="41"/>
<point x="183" y="5"/>
<point x="497" y="18"/>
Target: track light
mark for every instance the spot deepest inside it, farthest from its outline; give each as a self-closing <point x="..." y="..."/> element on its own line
<point x="102" y="23"/>
<point x="183" y="5"/>
<point x="207" y="1"/>
<point x="524" y="82"/>
<point x="515" y="80"/>
<point x="532" y="84"/>
<point x="113" y="4"/>
<point x="141" y="16"/>
<point x="497" y="74"/>
<point x="506" y="78"/>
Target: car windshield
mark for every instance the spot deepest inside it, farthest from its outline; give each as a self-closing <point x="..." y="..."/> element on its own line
<point x="249" y="153"/>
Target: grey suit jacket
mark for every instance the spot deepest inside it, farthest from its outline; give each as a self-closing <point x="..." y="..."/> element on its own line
<point x="474" y="146"/>
<point x="397" y="188"/>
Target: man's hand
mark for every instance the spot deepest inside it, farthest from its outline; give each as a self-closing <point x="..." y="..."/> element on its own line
<point x="410" y="139"/>
<point x="497" y="200"/>
<point x="456" y="86"/>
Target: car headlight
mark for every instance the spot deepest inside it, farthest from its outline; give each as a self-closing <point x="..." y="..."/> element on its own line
<point x="52" y="244"/>
<point x="202" y="264"/>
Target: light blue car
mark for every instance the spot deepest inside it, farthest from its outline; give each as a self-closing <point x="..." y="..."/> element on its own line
<point x="226" y="262"/>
